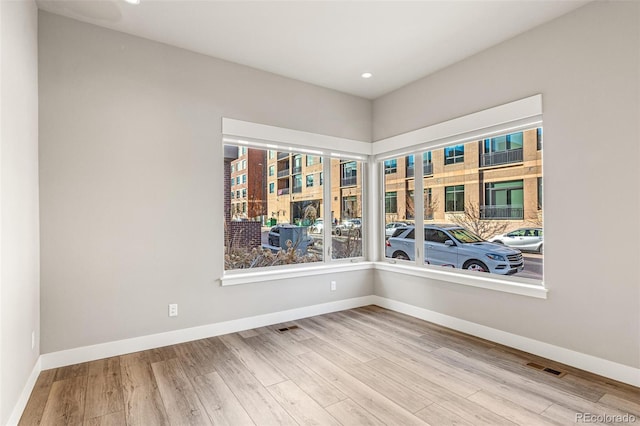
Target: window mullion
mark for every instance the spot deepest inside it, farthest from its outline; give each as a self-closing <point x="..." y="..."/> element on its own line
<point x="326" y="214"/>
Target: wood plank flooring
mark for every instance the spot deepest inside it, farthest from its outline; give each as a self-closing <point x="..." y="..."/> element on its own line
<point x="366" y="366"/>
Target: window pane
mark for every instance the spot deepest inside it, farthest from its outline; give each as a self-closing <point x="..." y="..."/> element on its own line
<point x="495" y="197"/>
<point x="346" y="209"/>
<point x="272" y="220"/>
<point x="399" y="204"/>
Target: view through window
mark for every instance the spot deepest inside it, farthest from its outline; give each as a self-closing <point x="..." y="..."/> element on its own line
<point x="482" y="205"/>
<point x="275" y="204"/>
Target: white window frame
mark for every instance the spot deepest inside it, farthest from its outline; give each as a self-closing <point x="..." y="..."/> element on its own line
<point x="508" y="118"/>
<point x="247" y="134"/>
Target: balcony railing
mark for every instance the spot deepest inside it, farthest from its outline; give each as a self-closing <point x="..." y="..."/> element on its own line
<point x="296" y="170"/>
<point x="348" y="181"/>
<point x="283" y="173"/>
<point x="283" y="191"/>
<point x="501" y="157"/>
<point x="427" y="169"/>
<point x="283" y="155"/>
<point x="501" y="212"/>
<point x="297" y="189"/>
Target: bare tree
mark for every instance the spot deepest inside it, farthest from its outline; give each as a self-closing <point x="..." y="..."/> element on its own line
<point x="472" y="220"/>
<point x="535" y="219"/>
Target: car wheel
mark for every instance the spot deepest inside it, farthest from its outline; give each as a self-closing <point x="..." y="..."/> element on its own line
<point x="477" y="266"/>
<point x="540" y="249"/>
<point x="338" y="232"/>
<point x="271" y="242"/>
<point x="400" y="255"/>
<point x="498" y="242"/>
<point x="313" y="230"/>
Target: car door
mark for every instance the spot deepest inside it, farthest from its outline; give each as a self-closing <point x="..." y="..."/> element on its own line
<point x="437" y="251"/>
<point x="531" y="239"/>
<point x="515" y="239"/>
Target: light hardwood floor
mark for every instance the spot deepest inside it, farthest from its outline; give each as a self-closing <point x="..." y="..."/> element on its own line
<point x="366" y="366"/>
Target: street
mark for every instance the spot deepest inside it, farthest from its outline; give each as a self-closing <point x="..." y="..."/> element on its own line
<point x="533" y="262"/>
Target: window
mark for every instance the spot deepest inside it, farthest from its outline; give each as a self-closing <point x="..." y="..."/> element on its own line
<point x="349" y="173"/>
<point x="410" y="165"/>
<point x="265" y="204"/>
<point x="504" y="200"/>
<point x="503" y="150"/>
<point x="454" y="198"/>
<point x="539" y="138"/>
<point x="233" y="168"/>
<point x="427" y="165"/>
<point x="297" y="183"/>
<point x="297" y="164"/>
<point x="390" y="166"/>
<point x="272" y="154"/>
<point x="313" y="160"/>
<point x="346" y="203"/>
<point x="454" y="154"/>
<point x="309" y="180"/>
<point x="539" y="193"/>
<point x="391" y="202"/>
<point x="321" y="178"/>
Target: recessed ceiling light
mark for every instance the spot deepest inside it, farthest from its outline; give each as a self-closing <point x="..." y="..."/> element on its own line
<point x="133" y="1"/>
<point x="367" y="75"/>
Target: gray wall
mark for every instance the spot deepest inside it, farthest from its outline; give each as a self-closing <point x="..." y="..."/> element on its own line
<point x="19" y="253"/>
<point x="586" y="65"/>
<point x="131" y="183"/>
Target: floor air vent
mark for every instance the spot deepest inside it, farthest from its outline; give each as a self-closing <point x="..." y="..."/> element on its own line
<point x="546" y="369"/>
<point x="282" y="330"/>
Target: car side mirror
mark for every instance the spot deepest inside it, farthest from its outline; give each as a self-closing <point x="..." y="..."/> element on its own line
<point x="449" y="243"/>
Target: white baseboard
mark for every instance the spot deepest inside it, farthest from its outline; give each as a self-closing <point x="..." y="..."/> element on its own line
<point x="18" y="409"/>
<point x="121" y="347"/>
<point x="620" y="372"/>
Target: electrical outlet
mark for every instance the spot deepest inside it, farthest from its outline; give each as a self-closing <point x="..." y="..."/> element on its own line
<point x="173" y="310"/>
<point x="33" y="340"/>
<point x="333" y="286"/>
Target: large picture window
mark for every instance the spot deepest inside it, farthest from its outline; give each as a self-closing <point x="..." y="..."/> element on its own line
<point x="485" y="216"/>
<point x="275" y="203"/>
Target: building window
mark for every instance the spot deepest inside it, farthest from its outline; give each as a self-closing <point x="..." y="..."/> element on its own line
<point x="503" y="149"/>
<point x="233" y="168"/>
<point x="321" y="178"/>
<point x="244" y="178"/>
<point x="454" y="154"/>
<point x="409" y="162"/>
<point x="504" y="200"/>
<point x="391" y="202"/>
<point x="390" y="166"/>
<point x="309" y="180"/>
<point x="539" y="193"/>
<point x="454" y="198"/>
<point x="539" y="138"/>
<point x="313" y="160"/>
<point x="272" y="170"/>
<point x="244" y="193"/>
<point x="349" y="173"/>
<point x="272" y="187"/>
<point x="427" y="165"/>
<point x="272" y="154"/>
<point x="297" y="183"/>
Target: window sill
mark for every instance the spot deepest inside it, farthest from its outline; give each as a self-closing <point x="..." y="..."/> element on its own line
<point x="237" y="278"/>
<point x="520" y="286"/>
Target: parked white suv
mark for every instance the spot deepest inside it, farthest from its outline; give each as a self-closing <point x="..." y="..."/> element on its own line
<point x="456" y="247"/>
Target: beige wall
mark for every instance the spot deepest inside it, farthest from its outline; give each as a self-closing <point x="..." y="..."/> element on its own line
<point x="131" y="183"/>
<point x="19" y="254"/>
<point x="586" y="65"/>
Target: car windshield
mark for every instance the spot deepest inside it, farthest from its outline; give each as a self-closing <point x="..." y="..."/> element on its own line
<point x="465" y="236"/>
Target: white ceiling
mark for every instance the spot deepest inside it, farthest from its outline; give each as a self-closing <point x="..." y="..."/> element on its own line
<point x="327" y="43"/>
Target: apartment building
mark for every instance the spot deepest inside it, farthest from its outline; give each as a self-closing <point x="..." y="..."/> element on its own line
<point x="497" y="178"/>
<point x="295" y="184"/>
<point x="247" y="185"/>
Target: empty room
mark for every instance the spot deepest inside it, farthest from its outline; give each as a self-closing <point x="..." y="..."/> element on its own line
<point x="209" y="212"/>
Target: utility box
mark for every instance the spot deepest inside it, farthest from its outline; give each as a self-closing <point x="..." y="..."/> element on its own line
<point x="300" y="241"/>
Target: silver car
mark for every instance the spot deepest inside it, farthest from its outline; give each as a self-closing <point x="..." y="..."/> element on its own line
<point x="455" y="247"/>
<point x="527" y="239"/>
